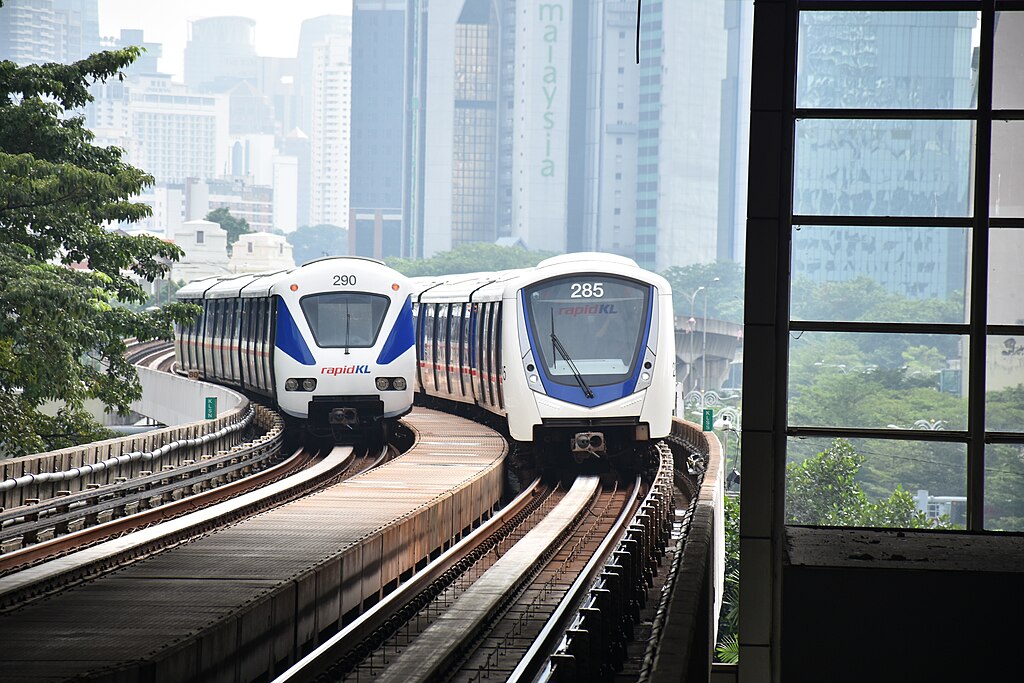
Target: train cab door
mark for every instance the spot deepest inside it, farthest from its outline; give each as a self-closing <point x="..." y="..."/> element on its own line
<point x="496" y="355"/>
<point x="429" y="333"/>
<point x="465" y="378"/>
<point x="496" y="348"/>
<point x="486" y="371"/>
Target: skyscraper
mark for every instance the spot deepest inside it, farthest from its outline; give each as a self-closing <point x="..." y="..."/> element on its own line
<point x="378" y="127"/>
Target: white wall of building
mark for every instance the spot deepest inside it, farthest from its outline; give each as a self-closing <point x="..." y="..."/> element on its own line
<point x="205" y="246"/>
<point x="286" y="192"/>
<point x="259" y="252"/>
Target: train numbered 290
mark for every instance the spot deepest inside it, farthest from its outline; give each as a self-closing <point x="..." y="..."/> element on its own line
<point x="577" y="353"/>
<point x="330" y="343"/>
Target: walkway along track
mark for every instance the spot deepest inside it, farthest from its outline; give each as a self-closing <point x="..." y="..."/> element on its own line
<point x="244" y="602"/>
<point x="475" y="613"/>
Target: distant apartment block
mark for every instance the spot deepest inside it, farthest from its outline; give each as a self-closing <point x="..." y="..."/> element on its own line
<point x="329" y="137"/>
<point x="165" y="129"/>
<point x="38" y="31"/>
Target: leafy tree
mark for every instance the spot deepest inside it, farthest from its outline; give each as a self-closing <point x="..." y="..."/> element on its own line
<point x="470" y="258"/>
<point x="311" y="242"/>
<point x="234" y="226"/>
<point x="823" y="490"/>
<point x="61" y="330"/>
<point x="724" y="298"/>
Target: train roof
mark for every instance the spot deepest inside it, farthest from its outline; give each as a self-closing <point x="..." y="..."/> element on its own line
<point x="492" y="286"/>
<point x="196" y="288"/>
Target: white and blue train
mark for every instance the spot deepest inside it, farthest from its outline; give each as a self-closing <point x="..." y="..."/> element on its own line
<point x="577" y="352"/>
<point x="330" y="343"/>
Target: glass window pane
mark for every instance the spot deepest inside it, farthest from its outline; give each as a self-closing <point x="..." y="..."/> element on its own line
<point x="1007" y="75"/>
<point x="1005" y="259"/>
<point x="876" y="483"/>
<point x="345" y="320"/>
<point x="877" y="381"/>
<point x="882" y="167"/>
<point x="879" y="274"/>
<point x="1006" y="197"/>
<point x="1004" y="481"/>
<point x="886" y="60"/>
<point x="588" y="325"/>
<point x="1004" y="384"/>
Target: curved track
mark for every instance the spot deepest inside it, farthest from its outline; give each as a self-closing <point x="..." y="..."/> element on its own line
<point x="242" y="602"/>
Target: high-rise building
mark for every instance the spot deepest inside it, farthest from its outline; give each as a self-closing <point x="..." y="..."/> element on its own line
<point x="38" y="31"/>
<point x="78" y="28"/>
<point x="378" y="127"/>
<point x="329" y="138"/>
<point x="221" y="51"/>
<point x="315" y="32"/>
<point x="459" y="130"/>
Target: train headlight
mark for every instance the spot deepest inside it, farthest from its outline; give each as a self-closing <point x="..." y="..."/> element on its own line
<point x="533" y="379"/>
<point x="291" y="384"/>
<point x="645" y="376"/>
<point x="399" y="384"/>
<point x="308" y="384"/>
<point x="382" y="383"/>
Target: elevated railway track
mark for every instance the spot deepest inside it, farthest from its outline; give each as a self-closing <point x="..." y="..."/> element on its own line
<point x="362" y="579"/>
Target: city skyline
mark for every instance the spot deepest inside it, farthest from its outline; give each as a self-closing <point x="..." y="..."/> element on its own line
<point x="277" y="26"/>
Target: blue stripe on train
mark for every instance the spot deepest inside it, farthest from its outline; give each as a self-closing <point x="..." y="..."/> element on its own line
<point x="289" y="339"/>
<point x="402" y="337"/>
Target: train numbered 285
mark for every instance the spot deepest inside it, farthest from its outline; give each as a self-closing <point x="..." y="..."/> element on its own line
<point x="577" y="353"/>
<point x="330" y="343"/>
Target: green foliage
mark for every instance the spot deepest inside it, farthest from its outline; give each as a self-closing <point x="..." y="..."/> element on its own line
<point x="725" y="297"/>
<point x="61" y="328"/>
<point x="727" y="649"/>
<point x="470" y="258"/>
<point x="823" y="491"/>
<point x="311" y="242"/>
<point x="234" y="226"/>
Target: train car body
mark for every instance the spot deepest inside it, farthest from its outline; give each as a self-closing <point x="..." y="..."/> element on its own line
<point x="331" y="342"/>
<point x="577" y="351"/>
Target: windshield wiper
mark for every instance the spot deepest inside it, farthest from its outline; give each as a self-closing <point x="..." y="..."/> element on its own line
<point x="348" y="325"/>
<point x="557" y="345"/>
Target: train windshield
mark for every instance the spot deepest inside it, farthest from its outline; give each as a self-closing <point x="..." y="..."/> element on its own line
<point x="345" y="319"/>
<point x="588" y="327"/>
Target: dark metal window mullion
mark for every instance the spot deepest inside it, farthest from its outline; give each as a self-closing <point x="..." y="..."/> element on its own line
<point x="979" y="277"/>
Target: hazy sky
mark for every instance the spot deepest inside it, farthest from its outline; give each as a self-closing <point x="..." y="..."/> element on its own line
<point x="277" y="23"/>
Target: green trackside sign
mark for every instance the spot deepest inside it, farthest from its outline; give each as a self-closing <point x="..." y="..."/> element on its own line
<point x="211" y="408"/>
<point x="709" y="419"/>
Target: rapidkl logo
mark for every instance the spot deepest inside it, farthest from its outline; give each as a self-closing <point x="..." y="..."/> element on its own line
<point x="592" y="309"/>
<point x="346" y="370"/>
